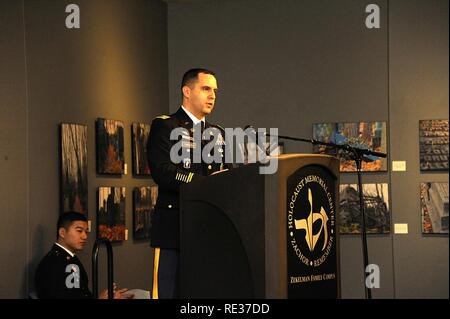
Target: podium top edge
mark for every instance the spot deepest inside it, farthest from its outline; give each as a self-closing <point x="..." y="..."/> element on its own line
<point x="298" y="155"/>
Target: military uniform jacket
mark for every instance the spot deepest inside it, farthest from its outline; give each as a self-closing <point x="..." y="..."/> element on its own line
<point x="51" y="276"/>
<point x="170" y="176"/>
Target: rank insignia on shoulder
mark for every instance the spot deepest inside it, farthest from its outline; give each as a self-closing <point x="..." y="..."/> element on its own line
<point x="184" y="177"/>
<point x="163" y="117"/>
<point x="220" y="127"/>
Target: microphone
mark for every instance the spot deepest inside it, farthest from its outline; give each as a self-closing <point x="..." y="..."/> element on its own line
<point x="255" y="136"/>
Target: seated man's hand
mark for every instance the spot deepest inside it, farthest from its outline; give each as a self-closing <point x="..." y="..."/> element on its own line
<point x="118" y="293"/>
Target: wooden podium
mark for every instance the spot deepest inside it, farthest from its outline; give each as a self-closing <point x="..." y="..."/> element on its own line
<point x="250" y="235"/>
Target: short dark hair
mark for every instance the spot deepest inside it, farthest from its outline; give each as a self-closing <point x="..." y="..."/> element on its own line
<point x="66" y="219"/>
<point x="192" y="75"/>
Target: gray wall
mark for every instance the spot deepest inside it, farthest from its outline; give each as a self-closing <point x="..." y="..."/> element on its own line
<point x="291" y="63"/>
<point x="114" y="66"/>
<point x="14" y="228"/>
<point x="418" y="80"/>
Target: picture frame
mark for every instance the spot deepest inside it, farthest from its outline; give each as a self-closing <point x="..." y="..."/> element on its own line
<point x="111" y="213"/>
<point x="140" y="133"/>
<point x="376" y="201"/>
<point x="110" y="146"/>
<point x="433" y="145"/>
<point x="434" y="207"/>
<point x="366" y="135"/>
<point x="144" y="201"/>
<point x="73" y="168"/>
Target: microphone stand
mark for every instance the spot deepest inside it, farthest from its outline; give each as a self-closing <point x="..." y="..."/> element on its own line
<point x="356" y="154"/>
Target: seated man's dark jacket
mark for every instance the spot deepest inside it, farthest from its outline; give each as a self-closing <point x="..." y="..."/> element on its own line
<point x="51" y="276"/>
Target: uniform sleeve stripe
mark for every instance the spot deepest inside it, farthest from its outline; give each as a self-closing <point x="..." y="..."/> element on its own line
<point x="186" y="178"/>
<point x="155" y="273"/>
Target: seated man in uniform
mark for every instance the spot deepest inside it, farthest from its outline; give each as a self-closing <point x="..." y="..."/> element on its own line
<point x="60" y="274"/>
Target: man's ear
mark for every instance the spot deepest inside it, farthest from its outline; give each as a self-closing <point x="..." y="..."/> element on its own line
<point x="186" y="91"/>
<point x="62" y="232"/>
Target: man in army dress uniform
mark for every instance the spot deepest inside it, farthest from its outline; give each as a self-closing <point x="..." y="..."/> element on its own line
<point x="60" y="274"/>
<point x="199" y="89"/>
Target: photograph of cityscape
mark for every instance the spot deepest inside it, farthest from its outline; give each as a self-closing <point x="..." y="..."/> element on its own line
<point x="376" y="200"/>
<point x="434" y="207"/>
<point x="365" y="135"/>
<point x="144" y="201"/>
<point x="433" y="143"/>
<point x="111" y="213"/>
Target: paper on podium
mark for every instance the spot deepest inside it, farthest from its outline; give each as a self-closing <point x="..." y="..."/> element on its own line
<point x="138" y="293"/>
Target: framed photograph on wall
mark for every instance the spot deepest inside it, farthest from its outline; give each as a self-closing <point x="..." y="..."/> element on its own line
<point x="110" y="146"/>
<point x="140" y="133"/>
<point x="434" y="207"/>
<point x="367" y="135"/>
<point x="376" y="200"/>
<point x="144" y="201"/>
<point x="74" y="175"/>
<point x="111" y="213"/>
<point x="433" y="144"/>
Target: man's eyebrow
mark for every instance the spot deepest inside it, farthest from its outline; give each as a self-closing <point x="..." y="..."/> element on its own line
<point x="209" y="87"/>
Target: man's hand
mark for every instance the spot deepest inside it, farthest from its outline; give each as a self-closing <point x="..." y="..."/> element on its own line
<point x="118" y="293"/>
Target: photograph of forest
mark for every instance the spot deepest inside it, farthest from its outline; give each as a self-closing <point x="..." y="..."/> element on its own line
<point x="110" y="147"/>
<point x="74" y="176"/>
<point x="140" y="133"/>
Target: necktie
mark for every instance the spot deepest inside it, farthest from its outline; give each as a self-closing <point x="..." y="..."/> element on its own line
<point x="202" y="126"/>
<point x="204" y="169"/>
